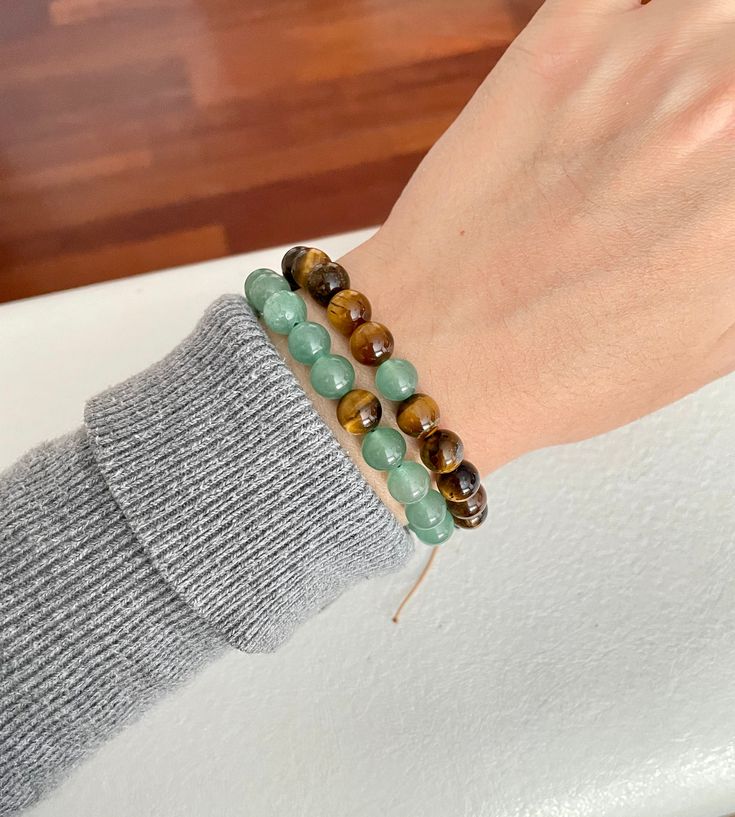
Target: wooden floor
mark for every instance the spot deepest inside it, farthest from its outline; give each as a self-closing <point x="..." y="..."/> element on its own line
<point x="140" y="134"/>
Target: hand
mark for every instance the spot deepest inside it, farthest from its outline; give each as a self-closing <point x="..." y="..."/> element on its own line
<point x="563" y="260"/>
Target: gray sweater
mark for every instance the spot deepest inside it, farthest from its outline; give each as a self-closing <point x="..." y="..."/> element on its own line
<point x="203" y="503"/>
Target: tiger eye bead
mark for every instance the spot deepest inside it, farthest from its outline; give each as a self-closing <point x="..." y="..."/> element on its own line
<point x="461" y="483"/>
<point x="359" y="411"/>
<point x="304" y="262"/>
<point x="371" y="343"/>
<point x="326" y="280"/>
<point x="347" y="310"/>
<point x="418" y="415"/>
<point x="287" y="264"/>
<point x="441" y="451"/>
<point x="471" y="521"/>
<point x="472" y="506"/>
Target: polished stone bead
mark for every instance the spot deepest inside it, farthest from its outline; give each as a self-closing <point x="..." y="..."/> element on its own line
<point x="441" y="450"/>
<point x="283" y="310"/>
<point x="371" y="343"/>
<point x="383" y="448"/>
<point x="263" y="286"/>
<point x="304" y="262"/>
<point x="472" y="506"/>
<point x="287" y="264"/>
<point x="359" y="411"/>
<point x="427" y="512"/>
<point x="396" y="379"/>
<point x="308" y="341"/>
<point x="439" y="533"/>
<point x="326" y="280"/>
<point x="471" y="521"/>
<point x="347" y="310"/>
<point x="409" y="483"/>
<point x="459" y="484"/>
<point x="253" y="277"/>
<point x="332" y="376"/>
<point x="418" y="415"/>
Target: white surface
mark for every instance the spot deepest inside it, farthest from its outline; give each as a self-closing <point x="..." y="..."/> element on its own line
<point x="576" y="657"/>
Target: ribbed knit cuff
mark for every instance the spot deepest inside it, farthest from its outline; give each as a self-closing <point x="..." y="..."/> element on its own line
<point x="234" y="485"/>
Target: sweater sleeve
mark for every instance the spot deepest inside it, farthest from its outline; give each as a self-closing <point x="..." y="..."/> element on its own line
<point x="204" y="503"/>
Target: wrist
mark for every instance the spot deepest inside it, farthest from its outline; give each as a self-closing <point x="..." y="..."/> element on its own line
<point x="463" y="354"/>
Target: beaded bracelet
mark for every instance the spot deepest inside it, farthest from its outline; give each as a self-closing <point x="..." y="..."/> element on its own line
<point x="417" y="414"/>
<point x="359" y="411"/>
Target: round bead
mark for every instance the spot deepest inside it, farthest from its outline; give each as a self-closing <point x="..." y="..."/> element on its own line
<point x="326" y="280"/>
<point x="438" y="534"/>
<point x="427" y="512"/>
<point x="332" y="376"/>
<point x="308" y="341"/>
<point x="371" y="343"/>
<point x="417" y="415"/>
<point x="303" y="263"/>
<point x="283" y="310"/>
<point x="287" y="264"/>
<point x="409" y="483"/>
<point x="263" y="287"/>
<point x="359" y="411"/>
<point x="383" y="448"/>
<point x="253" y="277"/>
<point x="472" y="521"/>
<point x="472" y="506"/>
<point x="441" y="450"/>
<point x="347" y="310"/>
<point x="396" y="379"/>
<point x="459" y="484"/>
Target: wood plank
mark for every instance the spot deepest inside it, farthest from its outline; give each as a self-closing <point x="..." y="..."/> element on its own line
<point x="126" y="122"/>
<point x="114" y="261"/>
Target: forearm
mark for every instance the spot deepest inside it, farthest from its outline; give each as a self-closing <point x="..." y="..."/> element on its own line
<point x="204" y="503"/>
<point x="441" y="323"/>
<point x="91" y="632"/>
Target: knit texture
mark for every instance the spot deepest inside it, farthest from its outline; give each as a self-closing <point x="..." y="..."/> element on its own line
<point x="204" y="503"/>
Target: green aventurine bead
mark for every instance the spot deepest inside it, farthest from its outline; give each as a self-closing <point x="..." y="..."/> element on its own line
<point x="438" y="534"/>
<point x="308" y="341"/>
<point x="427" y="512"/>
<point x="254" y="275"/>
<point x="332" y="376"/>
<point x="263" y="287"/>
<point x="396" y="379"/>
<point x="409" y="482"/>
<point x="283" y="310"/>
<point x="383" y="448"/>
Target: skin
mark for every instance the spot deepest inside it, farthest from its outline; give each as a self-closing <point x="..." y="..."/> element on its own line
<point x="563" y="260"/>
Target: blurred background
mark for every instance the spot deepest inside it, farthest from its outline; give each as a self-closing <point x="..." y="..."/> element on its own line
<point x="142" y="134"/>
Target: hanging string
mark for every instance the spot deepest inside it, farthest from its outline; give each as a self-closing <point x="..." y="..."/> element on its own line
<point x="417" y="584"/>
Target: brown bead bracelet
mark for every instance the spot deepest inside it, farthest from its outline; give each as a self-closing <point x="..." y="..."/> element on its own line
<point x="417" y="414"/>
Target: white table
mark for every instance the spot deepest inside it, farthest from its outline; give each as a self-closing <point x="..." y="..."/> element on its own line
<point x="576" y="657"/>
